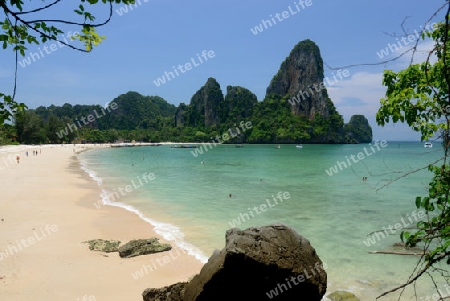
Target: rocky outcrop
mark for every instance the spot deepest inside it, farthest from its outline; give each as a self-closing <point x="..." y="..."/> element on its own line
<point x="256" y="264"/>
<point x="342" y="296"/>
<point x="142" y="247"/>
<point x="358" y="130"/>
<point x="180" y="115"/>
<point x="203" y="110"/>
<point x="174" y="292"/>
<point x="300" y="76"/>
<point x="300" y="84"/>
<point x="239" y="103"/>
<point x="103" y="245"/>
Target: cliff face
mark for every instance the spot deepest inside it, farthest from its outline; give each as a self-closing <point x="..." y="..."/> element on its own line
<point x="180" y="115"/>
<point x="208" y="107"/>
<point x="239" y="104"/>
<point x="296" y="108"/>
<point x="204" y="107"/>
<point x="298" y="74"/>
<point x="358" y="130"/>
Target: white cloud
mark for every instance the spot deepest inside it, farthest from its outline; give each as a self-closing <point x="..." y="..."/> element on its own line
<point x="420" y="55"/>
<point x="352" y="102"/>
<point x="365" y="90"/>
<point x="363" y="86"/>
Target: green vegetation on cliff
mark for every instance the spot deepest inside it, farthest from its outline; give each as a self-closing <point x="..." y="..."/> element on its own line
<point x="151" y="118"/>
<point x="312" y="118"/>
<point x="358" y="130"/>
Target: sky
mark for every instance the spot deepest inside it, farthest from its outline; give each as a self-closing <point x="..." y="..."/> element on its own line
<point x="145" y="41"/>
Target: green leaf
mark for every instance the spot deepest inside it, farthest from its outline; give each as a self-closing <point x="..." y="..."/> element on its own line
<point x="418" y="201"/>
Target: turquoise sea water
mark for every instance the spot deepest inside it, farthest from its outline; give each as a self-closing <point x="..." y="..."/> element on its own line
<point x="189" y="202"/>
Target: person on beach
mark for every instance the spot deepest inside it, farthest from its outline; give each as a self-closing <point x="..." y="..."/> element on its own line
<point x="18" y="159"/>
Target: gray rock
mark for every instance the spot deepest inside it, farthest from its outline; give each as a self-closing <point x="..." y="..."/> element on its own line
<point x="203" y="109"/>
<point x="301" y="70"/>
<point x="257" y="264"/>
<point x="342" y="296"/>
<point x="103" y="245"/>
<point x="173" y="292"/>
<point x="142" y="247"/>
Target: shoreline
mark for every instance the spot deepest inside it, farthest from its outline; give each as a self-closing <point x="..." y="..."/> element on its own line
<point x="51" y="189"/>
<point x="163" y="229"/>
<point x="154" y="269"/>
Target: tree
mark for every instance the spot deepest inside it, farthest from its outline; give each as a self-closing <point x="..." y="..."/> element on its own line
<point x="419" y="96"/>
<point x="20" y="28"/>
<point x="28" y="126"/>
<point x="71" y="134"/>
<point x="53" y="127"/>
<point x="7" y="134"/>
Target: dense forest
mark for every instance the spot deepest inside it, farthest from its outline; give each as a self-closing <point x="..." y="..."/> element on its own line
<point x="152" y="119"/>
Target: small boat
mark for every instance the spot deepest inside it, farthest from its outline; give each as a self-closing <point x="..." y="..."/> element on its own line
<point x="428" y="144"/>
<point x="239" y="145"/>
<point x="122" y="145"/>
<point x="183" y="146"/>
<point x="299" y="146"/>
<point x="278" y="146"/>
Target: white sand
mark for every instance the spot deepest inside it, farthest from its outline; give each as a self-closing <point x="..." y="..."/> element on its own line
<point x="46" y="203"/>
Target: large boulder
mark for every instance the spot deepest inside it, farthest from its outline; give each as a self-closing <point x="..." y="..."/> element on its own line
<point x="258" y="264"/>
<point x="142" y="247"/>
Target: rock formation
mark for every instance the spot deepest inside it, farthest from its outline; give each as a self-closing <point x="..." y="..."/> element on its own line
<point x="142" y="247"/>
<point x="180" y="115"/>
<point x="358" y="130"/>
<point x="239" y="103"/>
<point x="103" y="245"/>
<point x="301" y="77"/>
<point x="130" y="249"/>
<point x="203" y="110"/>
<point x="174" y="292"/>
<point x="296" y="108"/>
<point x="256" y="264"/>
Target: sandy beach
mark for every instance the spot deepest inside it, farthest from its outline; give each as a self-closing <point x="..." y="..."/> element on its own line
<point x="46" y="212"/>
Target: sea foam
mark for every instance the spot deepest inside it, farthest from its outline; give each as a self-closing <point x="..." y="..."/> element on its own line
<point x="169" y="232"/>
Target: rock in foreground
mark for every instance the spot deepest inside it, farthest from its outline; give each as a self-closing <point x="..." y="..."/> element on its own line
<point x="256" y="264"/>
<point x="142" y="247"/>
<point x="103" y="245"/>
<point x="174" y="292"/>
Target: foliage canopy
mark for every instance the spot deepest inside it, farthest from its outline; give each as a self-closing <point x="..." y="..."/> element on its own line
<point x="419" y="96"/>
<point x="22" y="26"/>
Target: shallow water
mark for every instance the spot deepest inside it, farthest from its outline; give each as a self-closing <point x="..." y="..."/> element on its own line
<point x="190" y="204"/>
